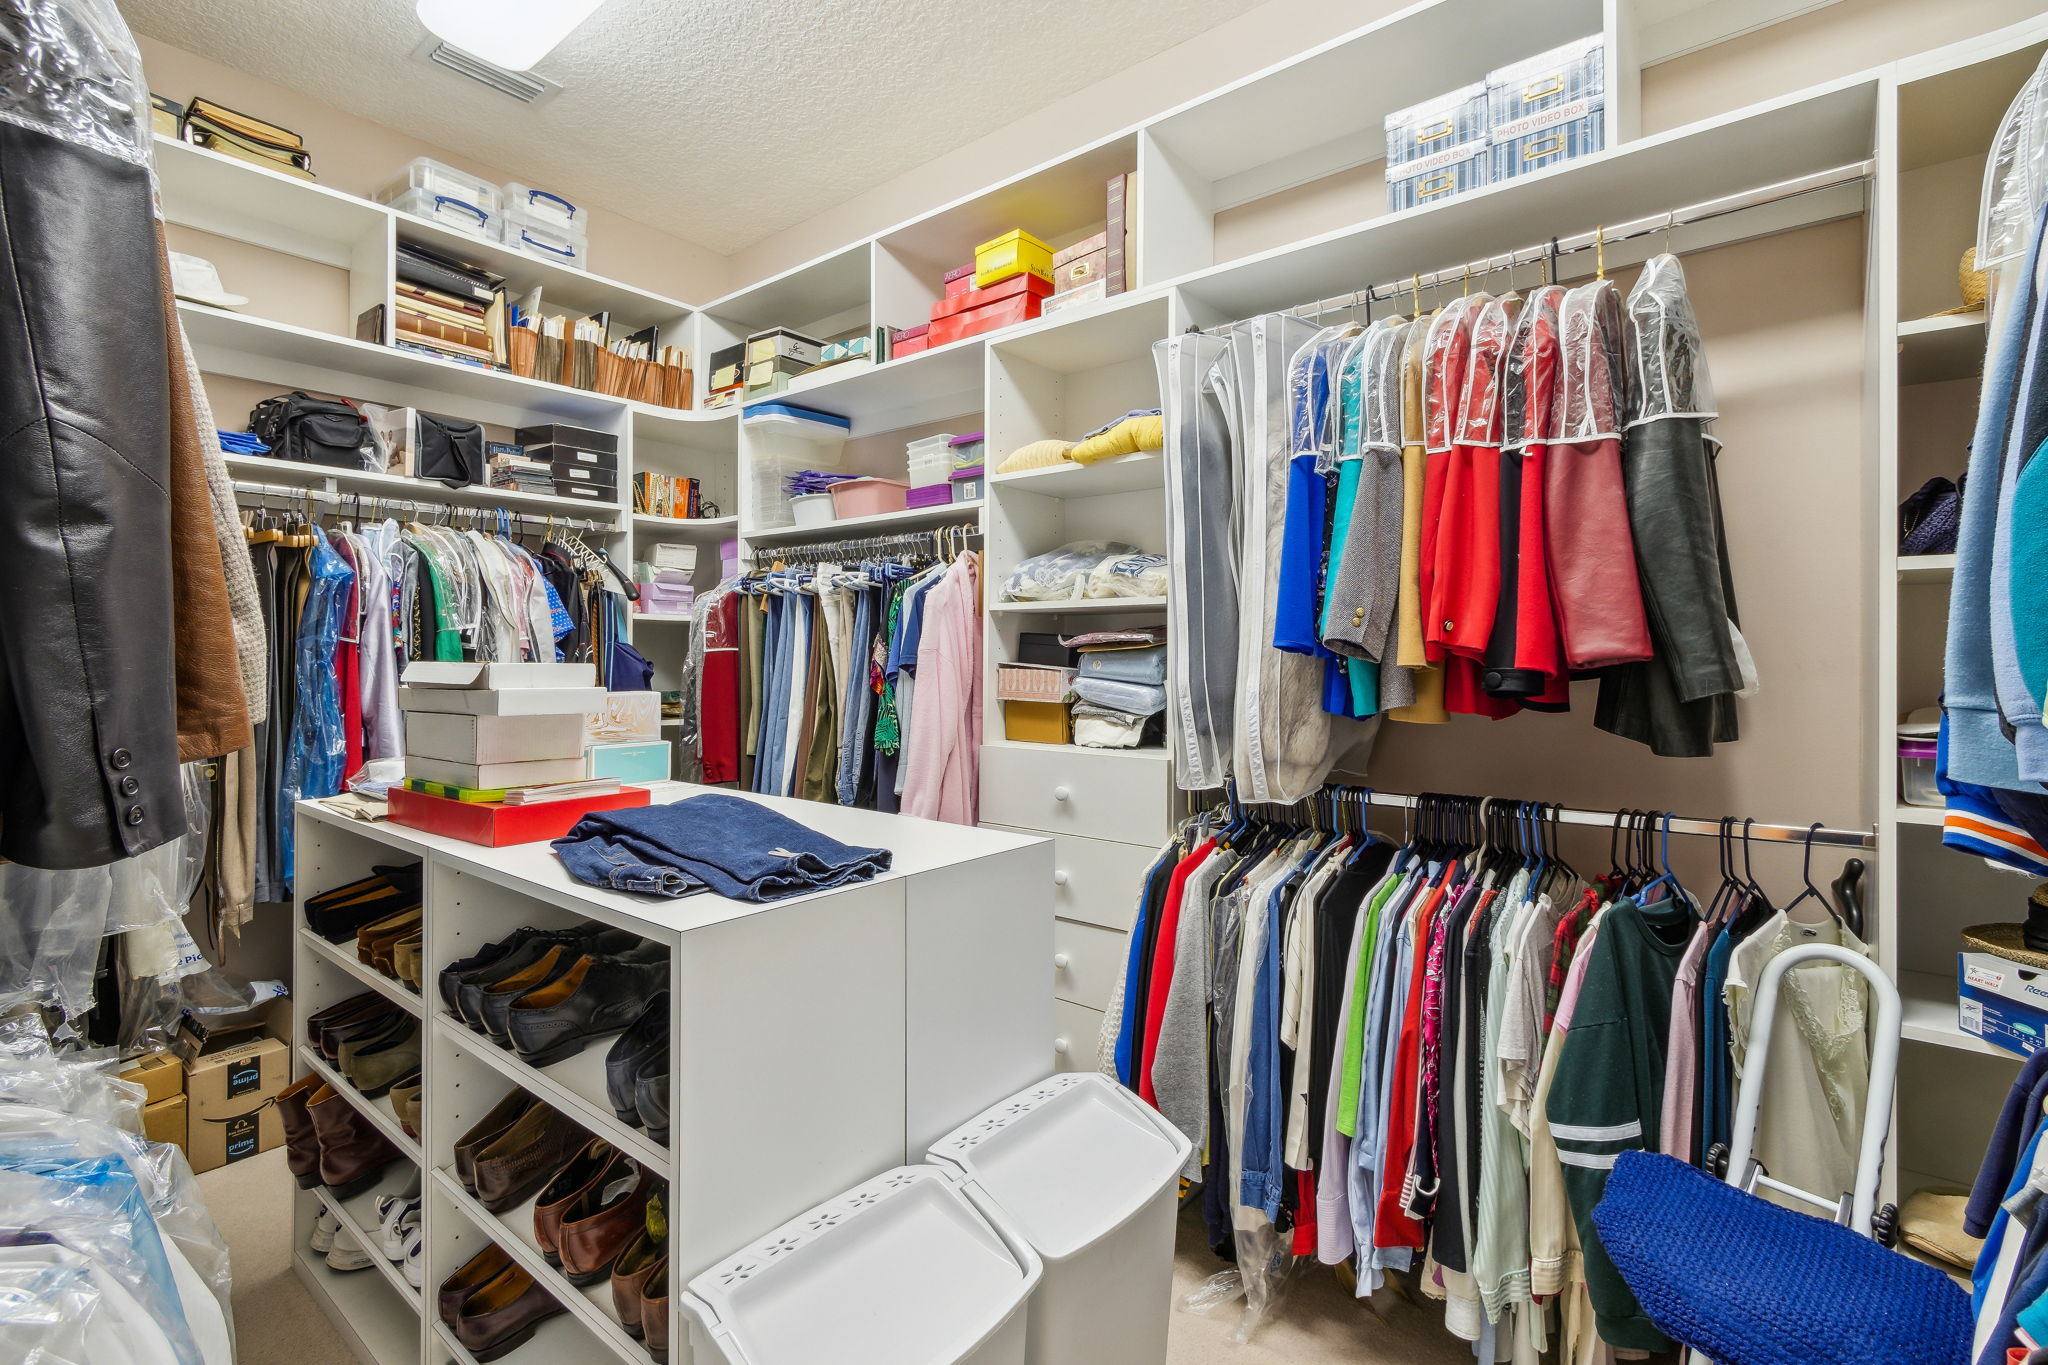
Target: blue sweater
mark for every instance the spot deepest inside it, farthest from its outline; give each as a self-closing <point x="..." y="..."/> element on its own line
<point x="2013" y="593"/>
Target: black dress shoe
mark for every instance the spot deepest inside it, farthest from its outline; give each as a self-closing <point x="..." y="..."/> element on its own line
<point x="471" y="989"/>
<point x="650" y="1095"/>
<point x="492" y="955"/>
<point x="622" y="1063"/>
<point x="598" y="995"/>
<point x="337" y="915"/>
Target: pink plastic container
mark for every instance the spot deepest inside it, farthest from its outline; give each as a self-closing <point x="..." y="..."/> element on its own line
<point x="867" y="497"/>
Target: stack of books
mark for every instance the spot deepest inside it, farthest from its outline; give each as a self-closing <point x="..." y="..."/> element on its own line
<point x="666" y="495"/>
<point x="448" y="308"/>
<point x="257" y="141"/>
<point x="494" y="752"/>
<point x="521" y="474"/>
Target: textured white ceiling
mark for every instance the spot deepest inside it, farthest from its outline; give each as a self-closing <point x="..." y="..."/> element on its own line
<point x="722" y="121"/>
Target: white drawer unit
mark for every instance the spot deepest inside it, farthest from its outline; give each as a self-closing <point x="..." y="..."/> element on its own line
<point x="1086" y="962"/>
<point x="1096" y="881"/>
<point x="1120" y="796"/>
<point x="1075" y="1031"/>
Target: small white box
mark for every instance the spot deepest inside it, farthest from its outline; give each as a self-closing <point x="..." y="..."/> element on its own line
<point x="496" y="776"/>
<point x="496" y="677"/>
<point x="517" y="701"/>
<point x="668" y="555"/>
<point x="455" y="738"/>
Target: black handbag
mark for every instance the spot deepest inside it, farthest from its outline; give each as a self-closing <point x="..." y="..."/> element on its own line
<point x="311" y="430"/>
<point x="449" y="449"/>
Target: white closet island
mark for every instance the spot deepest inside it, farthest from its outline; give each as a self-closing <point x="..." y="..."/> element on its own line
<point x="815" y="1042"/>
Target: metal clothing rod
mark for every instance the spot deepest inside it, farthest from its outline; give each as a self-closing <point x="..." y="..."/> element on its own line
<point x="1604" y="819"/>
<point x="810" y="552"/>
<point x="1598" y="240"/>
<point x="303" y="494"/>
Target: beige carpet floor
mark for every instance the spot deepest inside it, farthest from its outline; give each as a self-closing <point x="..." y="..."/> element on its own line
<point x="1318" y="1323"/>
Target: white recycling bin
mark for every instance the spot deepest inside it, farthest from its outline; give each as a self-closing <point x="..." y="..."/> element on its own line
<point x="1089" y="1175"/>
<point x="903" y="1270"/>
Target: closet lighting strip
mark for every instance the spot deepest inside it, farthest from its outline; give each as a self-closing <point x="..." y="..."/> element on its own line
<point x="1852" y="173"/>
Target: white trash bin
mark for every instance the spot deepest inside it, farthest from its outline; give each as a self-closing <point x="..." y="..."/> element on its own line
<point x="1089" y="1174"/>
<point x="903" y="1270"/>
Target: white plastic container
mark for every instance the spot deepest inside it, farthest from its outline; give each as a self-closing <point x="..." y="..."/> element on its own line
<point x="440" y="193"/>
<point x="1089" y="1176"/>
<point x="539" y="235"/>
<point x="907" y="1269"/>
<point x="550" y="209"/>
<point x="811" y="509"/>
<point x="930" y="460"/>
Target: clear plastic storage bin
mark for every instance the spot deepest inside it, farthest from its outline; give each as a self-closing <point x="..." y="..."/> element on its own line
<point x="930" y="460"/>
<point x="551" y="209"/>
<point x="445" y="210"/>
<point x="440" y="193"/>
<point x="540" y="235"/>
<point x="967" y="450"/>
<point x="1916" y="773"/>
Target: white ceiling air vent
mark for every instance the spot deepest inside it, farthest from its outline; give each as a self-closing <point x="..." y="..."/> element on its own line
<point x="524" y="86"/>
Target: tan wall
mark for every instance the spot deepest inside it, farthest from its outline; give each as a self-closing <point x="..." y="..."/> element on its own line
<point x="358" y="157"/>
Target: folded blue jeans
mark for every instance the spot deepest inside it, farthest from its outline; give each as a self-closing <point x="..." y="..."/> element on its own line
<point x="728" y="845"/>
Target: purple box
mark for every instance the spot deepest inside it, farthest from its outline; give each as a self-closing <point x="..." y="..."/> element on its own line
<point x="932" y="495"/>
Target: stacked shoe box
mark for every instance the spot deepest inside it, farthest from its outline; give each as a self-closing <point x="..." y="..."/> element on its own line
<point x="584" y="463"/>
<point x="480" y="737"/>
<point x="664" y="577"/>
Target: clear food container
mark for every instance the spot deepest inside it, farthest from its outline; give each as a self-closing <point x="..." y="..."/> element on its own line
<point x="440" y="193"/>
<point x="1916" y="773"/>
<point x="537" y="235"/>
<point x="445" y="210"/>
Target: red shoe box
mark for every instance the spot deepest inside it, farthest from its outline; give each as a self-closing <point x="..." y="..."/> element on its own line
<point x="1030" y="284"/>
<point x="909" y="340"/>
<point x="496" y="825"/>
<point x="1020" y="307"/>
<point x="961" y="280"/>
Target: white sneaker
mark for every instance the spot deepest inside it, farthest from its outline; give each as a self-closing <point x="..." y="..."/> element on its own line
<point x="324" y="1228"/>
<point x="394" y="1215"/>
<point x="415" y="1257"/>
<point x="347" y="1253"/>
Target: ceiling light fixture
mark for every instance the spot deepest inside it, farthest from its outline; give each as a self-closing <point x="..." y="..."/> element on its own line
<point x="513" y="34"/>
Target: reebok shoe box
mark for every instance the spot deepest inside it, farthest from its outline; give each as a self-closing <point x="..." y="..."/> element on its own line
<point x="2003" y="1002"/>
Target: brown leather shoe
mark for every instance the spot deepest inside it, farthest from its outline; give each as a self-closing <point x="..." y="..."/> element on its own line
<point x="352" y="1150"/>
<point x="373" y="941"/>
<point x="654" y="1312"/>
<point x="301" y="1143"/>
<point x="355" y="1007"/>
<point x="598" y="1161"/>
<point x="603" y="1221"/>
<point x="520" y="1161"/>
<point x="501" y="1316"/>
<point x="478" y="1271"/>
<point x="366" y="1025"/>
<point x="375" y="1063"/>
<point x="632" y="1272"/>
<point x="405" y="960"/>
<point x="405" y="1103"/>
<point x="485" y="1131"/>
<point x="495" y="1003"/>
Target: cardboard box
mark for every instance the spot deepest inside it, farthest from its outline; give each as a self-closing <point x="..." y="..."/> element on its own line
<point x="992" y="317"/>
<point x="639" y="762"/>
<point x="496" y="677"/>
<point x="562" y="434"/>
<point x="1095" y="291"/>
<point x="497" y="826"/>
<point x="781" y="343"/>
<point x="1034" y="285"/>
<point x="1087" y="246"/>
<point x="517" y="701"/>
<point x="1082" y="270"/>
<point x="229" y="1092"/>
<point x="487" y="777"/>
<point x="2003" y="1002"/>
<point x="670" y="554"/>
<point x="164" y="1121"/>
<point x="456" y="738"/>
<point x="159" y="1074"/>
<point x="763" y="374"/>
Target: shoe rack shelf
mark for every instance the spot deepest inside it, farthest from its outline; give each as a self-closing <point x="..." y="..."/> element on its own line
<point x="814" y="1042"/>
<point x="358" y="1217"/>
<point x="344" y="957"/>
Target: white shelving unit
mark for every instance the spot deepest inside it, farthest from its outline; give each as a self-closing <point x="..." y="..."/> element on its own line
<point x="900" y="1006"/>
<point x="1936" y="116"/>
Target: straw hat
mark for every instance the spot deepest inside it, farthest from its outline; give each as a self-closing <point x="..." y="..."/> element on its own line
<point x="2010" y="940"/>
<point x="1974" y="284"/>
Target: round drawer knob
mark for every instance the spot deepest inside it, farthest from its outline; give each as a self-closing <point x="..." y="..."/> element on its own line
<point x="1059" y="1045"/>
<point x="1061" y="960"/>
<point x="1059" y="876"/>
<point x="1061" y="794"/>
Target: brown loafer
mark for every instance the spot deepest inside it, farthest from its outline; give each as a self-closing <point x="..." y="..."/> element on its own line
<point x="632" y="1272"/>
<point x="478" y="1271"/>
<point x="377" y="1064"/>
<point x="405" y="1103"/>
<point x="374" y="940"/>
<point x="368" y="1024"/>
<point x="596" y="1162"/>
<point x="501" y="1316"/>
<point x="487" y="1130"/>
<point x="301" y="1143"/>
<point x="654" y="1312"/>
<point x="405" y="960"/>
<point x="352" y="1150"/>
<point x="520" y="1161"/>
<point x="605" y="1218"/>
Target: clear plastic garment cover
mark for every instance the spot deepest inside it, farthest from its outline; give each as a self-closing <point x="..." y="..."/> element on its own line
<point x="74" y="74"/>
<point x="1667" y="359"/>
<point x="1594" y="385"/>
<point x="2015" y="175"/>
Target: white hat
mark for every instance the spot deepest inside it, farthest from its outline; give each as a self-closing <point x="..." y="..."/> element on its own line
<point x="194" y="278"/>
